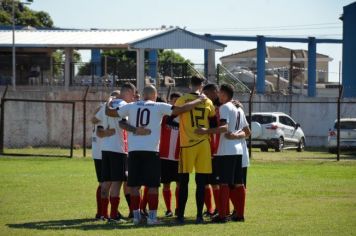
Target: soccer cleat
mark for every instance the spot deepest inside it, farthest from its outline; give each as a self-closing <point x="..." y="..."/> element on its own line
<point x="179" y="221"/>
<point x="154" y="221"/>
<point x="217" y="219"/>
<point x="97" y="217"/>
<point x="118" y="220"/>
<point x="103" y="218"/>
<point x="199" y="220"/>
<point x="168" y="214"/>
<point x="237" y="219"/>
<point x="144" y="213"/>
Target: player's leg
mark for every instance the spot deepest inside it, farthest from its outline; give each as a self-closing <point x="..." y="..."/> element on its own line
<point x="177" y="198"/>
<point x="97" y="164"/>
<point x="151" y="178"/>
<point x="105" y="187"/>
<point x="238" y="193"/>
<point x="203" y="168"/>
<point x="134" y="184"/>
<point x="208" y="199"/>
<point x="185" y="166"/>
<point x="128" y="199"/>
<point x="144" y="201"/>
<point x="167" y="196"/>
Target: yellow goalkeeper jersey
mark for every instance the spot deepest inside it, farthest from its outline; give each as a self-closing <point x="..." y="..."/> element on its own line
<point x="189" y="121"/>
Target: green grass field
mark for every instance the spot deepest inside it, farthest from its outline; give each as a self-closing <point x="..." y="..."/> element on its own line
<point x="289" y="193"/>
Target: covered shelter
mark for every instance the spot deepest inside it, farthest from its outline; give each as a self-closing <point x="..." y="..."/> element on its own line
<point x="139" y="40"/>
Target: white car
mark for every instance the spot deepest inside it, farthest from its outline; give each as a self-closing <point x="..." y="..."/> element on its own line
<point x="276" y="130"/>
<point x="347" y="135"/>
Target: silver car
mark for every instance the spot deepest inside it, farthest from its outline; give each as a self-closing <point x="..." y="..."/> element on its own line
<point x="347" y="135"/>
<point x="276" y="130"/>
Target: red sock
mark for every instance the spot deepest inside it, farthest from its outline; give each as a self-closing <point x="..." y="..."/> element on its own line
<point x="224" y="200"/>
<point x="177" y="196"/>
<point x="135" y="202"/>
<point x="114" y="202"/>
<point x="216" y="194"/>
<point x="104" y="207"/>
<point x="152" y="201"/>
<point x="98" y="201"/>
<point x="167" y="196"/>
<point x="144" y="199"/>
<point x="241" y="196"/>
<point x="208" y="200"/>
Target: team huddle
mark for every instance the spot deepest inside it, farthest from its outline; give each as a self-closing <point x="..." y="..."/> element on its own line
<point x="139" y="144"/>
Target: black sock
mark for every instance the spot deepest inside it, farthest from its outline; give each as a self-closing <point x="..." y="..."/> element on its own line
<point x="183" y="194"/>
<point x="200" y="180"/>
<point x="128" y="199"/>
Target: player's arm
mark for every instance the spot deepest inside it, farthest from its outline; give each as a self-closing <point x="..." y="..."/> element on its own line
<point x="94" y="120"/>
<point x="241" y="134"/>
<point x="109" y="110"/>
<point x="179" y="109"/>
<point x="101" y="132"/>
<point x="222" y="128"/>
<point x="136" y="130"/>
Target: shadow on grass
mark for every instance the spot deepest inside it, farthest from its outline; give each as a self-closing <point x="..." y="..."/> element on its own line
<point x="91" y="224"/>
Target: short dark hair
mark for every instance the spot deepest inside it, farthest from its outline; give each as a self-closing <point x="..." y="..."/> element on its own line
<point x="196" y="80"/>
<point x="175" y="95"/>
<point x="228" y="89"/>
<point x="210" y="87"/>
<point x="161" y="99"/>
<point x="128" y="86"/>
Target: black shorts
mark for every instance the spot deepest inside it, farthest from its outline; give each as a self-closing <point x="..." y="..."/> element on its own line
<point x="169" y="171"/>
<point x="229" y="169"/>
<point x="144" y="169"/>
<point x="113" y="166"/>
<point x="244" y="175"/>
<point x="97" y="164"/>
<point x="213" y="177"/>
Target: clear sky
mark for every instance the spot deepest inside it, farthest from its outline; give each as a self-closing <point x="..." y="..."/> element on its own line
<point x="302" y="18"/>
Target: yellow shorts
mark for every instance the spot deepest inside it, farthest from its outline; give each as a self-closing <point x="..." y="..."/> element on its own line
<point x="196" y="157"/>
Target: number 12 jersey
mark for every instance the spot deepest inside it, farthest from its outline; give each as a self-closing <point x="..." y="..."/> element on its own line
<point x="190" y="121"/>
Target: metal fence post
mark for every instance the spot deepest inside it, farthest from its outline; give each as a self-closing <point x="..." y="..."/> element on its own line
<point x="85" y="122"/>
<point x="2" y="132"/>
<point x="250" y="121"/>
<point x="338" y="122"/>
<point x="72" y="132"/>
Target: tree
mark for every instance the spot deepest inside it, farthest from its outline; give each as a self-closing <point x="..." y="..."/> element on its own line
<point x="24" y="16"/>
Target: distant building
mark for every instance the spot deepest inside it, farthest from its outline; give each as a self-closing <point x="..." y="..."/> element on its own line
<point x="278" y="61"/>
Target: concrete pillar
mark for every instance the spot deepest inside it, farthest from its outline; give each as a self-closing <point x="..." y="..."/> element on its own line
<point x="96" y="60"/>
<point x="311" y="67"/>
<point x="349" y="50"/>
<point x="68" y="53"/>
<point x="211" y="66"/>
<point x="153" y="60"/>
<point x="140" y="69"/>
<point x="206" y="63"/>
<point x="261" y="59"/>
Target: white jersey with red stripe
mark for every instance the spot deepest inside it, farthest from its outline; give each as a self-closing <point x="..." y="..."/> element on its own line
<point x="236" y="120"/>
<point x="118" y="141"/>
<point x="146" y="114"/>
<point x="169" y="143"/>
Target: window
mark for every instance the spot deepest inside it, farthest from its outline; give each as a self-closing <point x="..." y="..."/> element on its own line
<point x="264" y="119"/>
<point x="346" y="125"/>
<point x="286" y="121"/>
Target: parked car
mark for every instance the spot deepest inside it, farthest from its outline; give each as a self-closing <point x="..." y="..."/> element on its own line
<point x="276" y="130"/>
<point x="347" y="135"/>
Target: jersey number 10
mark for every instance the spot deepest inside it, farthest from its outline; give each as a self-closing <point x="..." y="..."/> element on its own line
<point x="142" y="117"/>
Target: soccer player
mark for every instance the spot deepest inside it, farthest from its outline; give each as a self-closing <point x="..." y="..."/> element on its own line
<point x="229" y="154"/>
<point x="194" y="149"/>
<point x="114" y="155"/>
<point x="144" y="162"/>
<point x="169" y="154"/>
<point x="211" y="91"/>
<point x="96" y="153"/>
